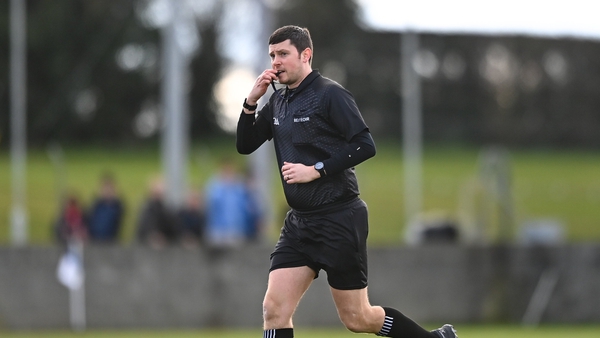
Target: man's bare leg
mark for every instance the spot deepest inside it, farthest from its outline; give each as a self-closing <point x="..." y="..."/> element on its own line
<point x="285" y="289"/>
<point x="359" y="316"/>
<point x="355" y="311"/>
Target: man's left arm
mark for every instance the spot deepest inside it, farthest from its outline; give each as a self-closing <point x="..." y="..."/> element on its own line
<point x="344" y="114"/>
<point x="360" y="148"/>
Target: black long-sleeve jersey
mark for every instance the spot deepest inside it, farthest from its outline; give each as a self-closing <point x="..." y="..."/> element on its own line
<point x="317" y="121"/>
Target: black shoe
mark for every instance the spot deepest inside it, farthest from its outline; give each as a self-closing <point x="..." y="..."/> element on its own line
<point x="446" y="331"/>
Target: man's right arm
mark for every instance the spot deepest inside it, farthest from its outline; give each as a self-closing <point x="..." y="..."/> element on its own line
<point x="252" y="131"/>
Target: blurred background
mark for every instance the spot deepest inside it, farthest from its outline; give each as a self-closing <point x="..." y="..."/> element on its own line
<point x="487" y="128"/>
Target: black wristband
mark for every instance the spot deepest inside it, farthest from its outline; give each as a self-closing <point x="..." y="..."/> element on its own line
<point x="249" y="107"/>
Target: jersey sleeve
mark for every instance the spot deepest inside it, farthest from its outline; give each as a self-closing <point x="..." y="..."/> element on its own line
<point x="360" y="148"/>
<point x="253" y="130"/>
<point x="344" y="113"/>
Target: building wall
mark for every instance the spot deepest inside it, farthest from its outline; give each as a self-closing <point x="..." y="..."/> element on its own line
<point x="135" y="287"/>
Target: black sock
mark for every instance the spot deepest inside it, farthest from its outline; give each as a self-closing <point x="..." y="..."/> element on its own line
<point x="398" y="325"/>
<point x="279" y="333"/>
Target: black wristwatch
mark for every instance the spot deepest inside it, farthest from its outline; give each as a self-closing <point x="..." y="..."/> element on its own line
<point x="320" y="168"/>
<point x="249" y="107"/>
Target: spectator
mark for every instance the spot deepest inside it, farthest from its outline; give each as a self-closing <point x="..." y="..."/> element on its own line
<point x="254" y="210"/>
<point x="157" y="227"/>
<point x="228" y="208"/>
<point x="192" y="220"/>
<point x="106" y="213"/>
<point x="229" y="223"/>
<point x="71" y="222"/>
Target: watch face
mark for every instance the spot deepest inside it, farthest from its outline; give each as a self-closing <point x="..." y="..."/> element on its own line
<point x="319" y="165"/>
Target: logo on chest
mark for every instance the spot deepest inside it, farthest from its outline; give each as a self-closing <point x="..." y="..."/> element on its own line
<point x="301" y="119"/>
<point x="275" y="121"/>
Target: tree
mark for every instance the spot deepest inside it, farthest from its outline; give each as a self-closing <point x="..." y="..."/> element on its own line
<point x="92" y="67"/>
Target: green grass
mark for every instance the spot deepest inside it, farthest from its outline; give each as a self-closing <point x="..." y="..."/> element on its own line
<point x="563" y="185"/>
<point x="464" y="331"/>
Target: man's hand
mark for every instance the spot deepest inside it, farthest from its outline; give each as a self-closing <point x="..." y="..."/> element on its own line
<point x="298" y="173"/>
<point x="260" y="87"/>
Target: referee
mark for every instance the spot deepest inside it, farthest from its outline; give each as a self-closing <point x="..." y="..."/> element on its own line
<point x="319" y="136"/>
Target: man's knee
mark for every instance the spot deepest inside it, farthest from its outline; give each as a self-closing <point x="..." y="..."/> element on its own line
<point x="269" y="309"/>
<point x="356" y="322"/>
<point x="275" y="312"/>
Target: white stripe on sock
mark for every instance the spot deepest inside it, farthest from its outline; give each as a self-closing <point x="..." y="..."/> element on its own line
<point x="387" y="326"/>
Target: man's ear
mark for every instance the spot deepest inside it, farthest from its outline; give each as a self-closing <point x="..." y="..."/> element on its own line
<point x="306" y="55"/>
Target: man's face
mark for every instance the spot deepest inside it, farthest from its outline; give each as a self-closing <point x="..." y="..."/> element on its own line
<point x="285" y="58"/>
<point x="107" y="190"/>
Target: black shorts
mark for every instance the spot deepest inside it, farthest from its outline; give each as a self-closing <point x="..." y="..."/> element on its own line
<point x="334" y="240"/>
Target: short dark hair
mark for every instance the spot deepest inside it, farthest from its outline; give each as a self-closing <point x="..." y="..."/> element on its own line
<point x="299" y="37"/>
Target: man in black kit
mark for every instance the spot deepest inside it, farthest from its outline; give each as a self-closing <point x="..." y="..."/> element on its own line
<point x="319" y="136"/>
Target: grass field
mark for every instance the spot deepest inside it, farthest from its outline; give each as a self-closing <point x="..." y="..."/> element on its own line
<point x="562" y="185"/>
<point x="464" y="331"/>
